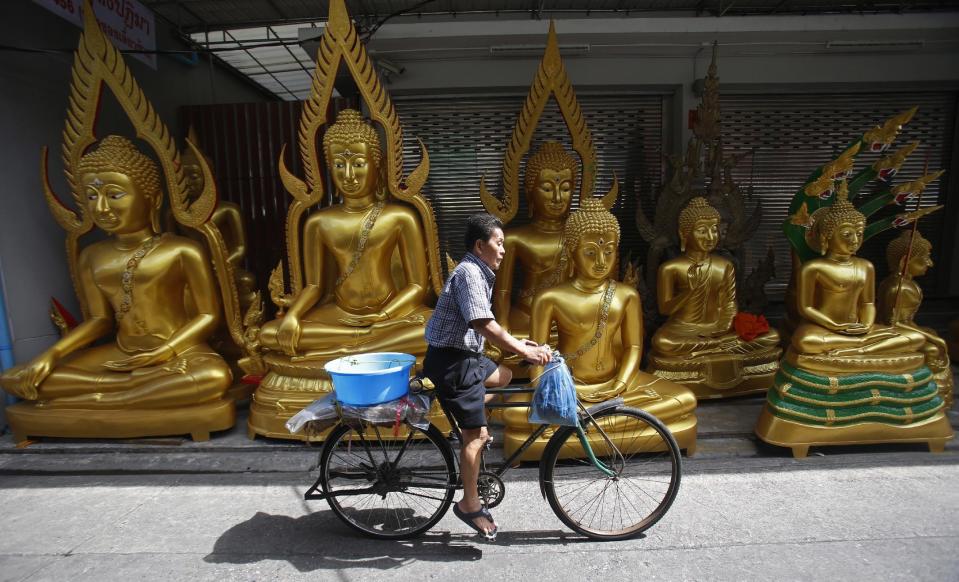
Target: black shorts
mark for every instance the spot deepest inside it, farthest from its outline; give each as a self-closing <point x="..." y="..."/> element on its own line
<point x="459" y="377"/>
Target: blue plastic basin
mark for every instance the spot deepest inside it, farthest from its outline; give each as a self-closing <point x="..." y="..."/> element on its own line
<point x="368" y="379"/>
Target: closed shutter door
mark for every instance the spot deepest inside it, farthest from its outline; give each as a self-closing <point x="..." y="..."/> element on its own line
<point x="467" y="138"/>
<point x="792" y="134"/>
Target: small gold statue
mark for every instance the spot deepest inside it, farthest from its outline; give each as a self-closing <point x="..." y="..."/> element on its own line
<point x="845" y="379"/>
<point x="600" y="335"/>
<point x="698" y="345"/>
<point x="368" y="270"/>
<point x="900" y="297"/>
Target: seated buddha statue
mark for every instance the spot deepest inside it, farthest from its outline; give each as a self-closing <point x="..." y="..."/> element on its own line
<point x="351" y="300"/>
<point x="600" y="333"/>
<point x="698" y="345"/>
<point x="366" y="281"/>
<point x="535" y="250"/>
<point x="157" y="292"/>
<point x="845" y="378"/>
<point x="900" y="297"/>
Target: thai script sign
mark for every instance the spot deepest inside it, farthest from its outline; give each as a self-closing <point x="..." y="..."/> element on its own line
<point x="129" y="25"/>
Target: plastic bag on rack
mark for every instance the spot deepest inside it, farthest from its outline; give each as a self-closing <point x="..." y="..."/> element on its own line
<point x="327" y="411"/>
<point x="413" y="408"/>
<point x="320" y="412"/>
<point x="554" y="401"/>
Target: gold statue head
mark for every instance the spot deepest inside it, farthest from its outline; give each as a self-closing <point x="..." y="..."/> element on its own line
<point x="550" y="178"/>
<point x="839" y="227"/>
<point x="352" y="149"/>
<point x="698" y="226"/>
<point x="919" y="261"/>
<point x="121" y="186"/>
<point x="591" y="239"/>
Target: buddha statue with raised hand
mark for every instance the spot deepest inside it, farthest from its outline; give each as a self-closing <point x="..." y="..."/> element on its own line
<point x="845" y="378"/>
<point x="900" y="297"/>
<point x="354" y="243"/>
<point x="698" y="345"/>
<point x="600" y="333"/>
<point x="158" y="292"/>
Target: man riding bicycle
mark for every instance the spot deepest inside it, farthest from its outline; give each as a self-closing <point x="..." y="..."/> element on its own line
<point x="462" y="321"/>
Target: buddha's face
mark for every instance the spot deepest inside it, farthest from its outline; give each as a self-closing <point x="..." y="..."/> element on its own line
<point x="847" y="238"/>
<point x="704" y="236"/>
<point x="194" y="179"/>
<point x="554" y="190"/>
<point x="115" y="203"/>
<point x="919" y="263"/>
<point x="354" y="173"/>
<point x="595" y="255"/>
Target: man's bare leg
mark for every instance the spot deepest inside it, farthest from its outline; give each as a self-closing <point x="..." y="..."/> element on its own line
<point x="474" y="440"/>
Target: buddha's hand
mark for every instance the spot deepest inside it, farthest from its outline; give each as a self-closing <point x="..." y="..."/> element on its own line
<point x="142" y="360"/>
<point x="23" y="381"/>
<point x="288" y="334"/>
<point x="364" y="320"/>
<point x="854" y="328"/>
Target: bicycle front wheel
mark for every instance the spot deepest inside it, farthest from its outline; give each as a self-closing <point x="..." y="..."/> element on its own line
<point x="386" y="487"/>
<point x="632" y="487"/>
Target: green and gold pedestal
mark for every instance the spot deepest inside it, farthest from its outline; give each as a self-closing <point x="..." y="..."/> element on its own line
<point x="805" y="409"/>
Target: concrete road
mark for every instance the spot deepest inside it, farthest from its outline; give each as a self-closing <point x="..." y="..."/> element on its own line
<point x="891" y="515"/>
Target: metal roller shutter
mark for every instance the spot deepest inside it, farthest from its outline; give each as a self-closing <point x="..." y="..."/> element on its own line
<point x="792" y="134"/>
<point x="467" y="138"/>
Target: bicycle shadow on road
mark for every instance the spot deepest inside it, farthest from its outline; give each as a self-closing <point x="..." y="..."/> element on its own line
<point x="318" y="541"/>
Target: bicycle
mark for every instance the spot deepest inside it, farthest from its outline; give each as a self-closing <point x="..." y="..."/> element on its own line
<point x="599" y="478"/>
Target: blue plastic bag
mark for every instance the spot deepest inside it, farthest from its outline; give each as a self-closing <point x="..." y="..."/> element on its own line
<point x="554" y="401"/>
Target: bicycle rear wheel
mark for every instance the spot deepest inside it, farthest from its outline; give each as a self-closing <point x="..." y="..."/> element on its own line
<point x="645" y="463"/>
<point x="385" y="487"/>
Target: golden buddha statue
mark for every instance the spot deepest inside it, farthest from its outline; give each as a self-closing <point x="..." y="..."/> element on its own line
<point x="364" y="308"/>
<point x="846" y="379"/>
<point x="536" y="249"/>
<point x="600" y="334"/>
<point x="158" y="376"/>
<point x="159" y="295"/>
<point x="368" y="270"/>
<point x="900" y="297"/>
<point x="698" y="345"/>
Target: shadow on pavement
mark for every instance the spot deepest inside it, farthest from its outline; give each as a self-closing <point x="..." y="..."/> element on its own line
<point x="318" y="541"/>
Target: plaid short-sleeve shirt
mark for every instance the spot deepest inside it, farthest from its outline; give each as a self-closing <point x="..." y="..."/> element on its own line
<point x="466" y="297"/>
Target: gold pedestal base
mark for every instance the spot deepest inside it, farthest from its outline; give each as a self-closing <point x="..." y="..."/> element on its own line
<point x="720" y="375"/>
<point x="934" y="431"/>
<point x="29" y="420"/>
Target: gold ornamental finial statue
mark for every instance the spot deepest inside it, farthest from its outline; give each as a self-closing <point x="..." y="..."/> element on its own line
<point x="365" y="270"/>
<point x="600" y="334"/>
<point x="706" y="344"/>
<point x="156" y="290"/>
<point x="534" y="251"/>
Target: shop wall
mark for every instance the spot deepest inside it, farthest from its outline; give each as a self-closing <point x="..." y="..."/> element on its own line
<point x="33" y="103"/>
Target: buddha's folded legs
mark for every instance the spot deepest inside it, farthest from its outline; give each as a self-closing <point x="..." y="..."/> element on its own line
<point x="813" y="339"/>
<point x="198" y="375"/>
<point x="683" y="340"/>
